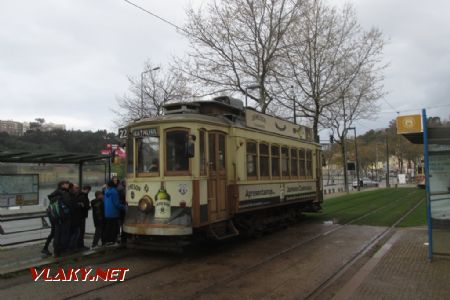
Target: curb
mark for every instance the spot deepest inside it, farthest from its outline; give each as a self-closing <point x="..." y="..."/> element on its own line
<point x="47" y="261"/>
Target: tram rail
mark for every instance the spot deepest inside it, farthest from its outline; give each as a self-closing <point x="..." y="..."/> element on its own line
<point x="246" y="270"/>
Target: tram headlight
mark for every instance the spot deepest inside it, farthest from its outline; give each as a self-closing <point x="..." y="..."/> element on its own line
<point x="145" y="204"/>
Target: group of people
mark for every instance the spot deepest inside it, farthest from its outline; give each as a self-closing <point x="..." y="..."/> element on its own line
<point x="68" y="210"/>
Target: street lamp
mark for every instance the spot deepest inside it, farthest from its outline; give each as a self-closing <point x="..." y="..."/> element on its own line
<point x="356" y="156"/>
<point x="250" y="87"/>
<point x="142" y="89"/>
<point x="293" y="99"/>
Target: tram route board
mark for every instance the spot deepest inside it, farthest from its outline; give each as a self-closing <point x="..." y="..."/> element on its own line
<point x="19" y="189"/>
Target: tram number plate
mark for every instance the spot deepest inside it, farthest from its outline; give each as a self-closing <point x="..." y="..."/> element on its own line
<point x="123" y="133"/>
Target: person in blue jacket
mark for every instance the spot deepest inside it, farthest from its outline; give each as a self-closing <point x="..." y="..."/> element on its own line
<point x="112" y="207"/>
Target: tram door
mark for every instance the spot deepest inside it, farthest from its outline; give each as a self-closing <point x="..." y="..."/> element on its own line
<point x="217" y="177"/>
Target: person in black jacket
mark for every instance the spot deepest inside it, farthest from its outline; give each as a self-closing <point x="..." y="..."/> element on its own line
<point x="98" y="215"/>
<point x="84" y="202"/>
<point x="76" y="207"/>
<point x="62" y="224"/>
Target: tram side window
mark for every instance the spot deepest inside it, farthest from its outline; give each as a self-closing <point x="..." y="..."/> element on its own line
<point x="264" y="160"/>
<point x="251" y="159"/>
<point x="301" y="160"/>
<point x="284" y="161"/>
<point x="176" y="152"/>
<point x="309" y="163"/>
<point x="202" y="153"/>
<point x="147" y="155"/>
<point x="275" y="151"/>
<point x="294" y="163"/>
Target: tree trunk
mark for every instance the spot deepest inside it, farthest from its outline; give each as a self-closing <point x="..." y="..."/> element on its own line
<point x="316" y="129"/>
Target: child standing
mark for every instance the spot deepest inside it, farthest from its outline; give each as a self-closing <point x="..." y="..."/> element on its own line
<point x="99" y="217"/>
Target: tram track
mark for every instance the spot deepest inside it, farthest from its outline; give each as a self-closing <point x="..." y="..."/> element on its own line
<point x="305" y="242"/>
<point x="240" y="273"/>
<point x="384" y="234"/>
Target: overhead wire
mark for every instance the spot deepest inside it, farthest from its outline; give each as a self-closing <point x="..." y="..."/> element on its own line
<point x="157" y="16"/>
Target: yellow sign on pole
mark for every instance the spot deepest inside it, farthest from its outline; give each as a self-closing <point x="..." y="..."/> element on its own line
<point x="409" y="124"/>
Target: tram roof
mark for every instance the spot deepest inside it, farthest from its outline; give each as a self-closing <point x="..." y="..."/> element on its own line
<point x="49" y="157"/>
<point x="185" y="117"/>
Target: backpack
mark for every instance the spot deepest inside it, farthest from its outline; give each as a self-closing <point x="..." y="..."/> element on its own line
<point x="57" y="210"/>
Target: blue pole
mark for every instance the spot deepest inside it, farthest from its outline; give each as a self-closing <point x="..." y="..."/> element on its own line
<point x="427" y="183"/>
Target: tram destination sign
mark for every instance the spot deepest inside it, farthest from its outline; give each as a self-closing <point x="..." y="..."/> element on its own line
<point x="145" y="132"/>
<point x="264" y="122"/>
<point x="19" y="189"/>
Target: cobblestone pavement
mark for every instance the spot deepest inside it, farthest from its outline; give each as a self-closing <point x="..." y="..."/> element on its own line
<point x="404" y="272"/>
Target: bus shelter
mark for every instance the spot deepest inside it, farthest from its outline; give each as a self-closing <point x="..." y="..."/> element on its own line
<point x="436" y="141"/>
<point x="57" y="158"/>
<point x="27" y="221"/>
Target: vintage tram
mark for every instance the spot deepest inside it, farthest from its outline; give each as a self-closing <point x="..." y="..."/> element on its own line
<point x="214" y="169"/>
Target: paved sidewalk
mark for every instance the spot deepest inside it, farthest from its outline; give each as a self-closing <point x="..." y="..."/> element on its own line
<point x="401" y="270"/>
<point x="22" y="257"/>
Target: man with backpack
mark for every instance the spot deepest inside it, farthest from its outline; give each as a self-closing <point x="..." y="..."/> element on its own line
<point x="59" y="215"/>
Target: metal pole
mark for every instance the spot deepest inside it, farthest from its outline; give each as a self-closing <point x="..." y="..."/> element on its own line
<point x="357" y="161"/>
<point x="246" y="91"/>
<point x="293" y="99"/>
<point x="142" y="95"/>
<point x="109" y="168"/>
<point x="387" y="162"/>
<point x="142" y="89"/>
<point x="80" y="174"/>
<point x="427" y="183"/>
<point x="376" y="155"/>
<point x="345" y="151"/>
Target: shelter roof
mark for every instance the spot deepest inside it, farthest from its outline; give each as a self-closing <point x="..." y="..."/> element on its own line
<point x="436" y="135"/>
<point x="18" y="156"/>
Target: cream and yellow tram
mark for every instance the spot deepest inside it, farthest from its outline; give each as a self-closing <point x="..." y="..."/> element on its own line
<point x="215" y="169"/>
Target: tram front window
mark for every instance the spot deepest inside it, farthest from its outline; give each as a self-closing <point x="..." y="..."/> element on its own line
<point x="147" y="155"/>
<point x="176" y="157"/>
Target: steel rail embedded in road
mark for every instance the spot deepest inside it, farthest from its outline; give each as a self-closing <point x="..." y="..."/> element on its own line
<point x="330" y="279"/>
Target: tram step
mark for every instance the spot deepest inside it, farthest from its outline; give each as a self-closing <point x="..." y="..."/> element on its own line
<point x="221" y="231"/>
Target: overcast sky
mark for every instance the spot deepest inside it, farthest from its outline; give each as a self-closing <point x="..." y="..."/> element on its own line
<point x="67" y="61"/>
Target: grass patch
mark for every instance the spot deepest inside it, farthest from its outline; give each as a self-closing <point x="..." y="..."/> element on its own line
<point x="417" y="218"/>
<point x="348" y="207"/>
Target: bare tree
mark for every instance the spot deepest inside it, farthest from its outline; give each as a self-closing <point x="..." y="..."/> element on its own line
<point x="355" y="102"/>
<point x="238" y="43"/>
<point x="148" y="97"/>
<point x="326" y="52"/>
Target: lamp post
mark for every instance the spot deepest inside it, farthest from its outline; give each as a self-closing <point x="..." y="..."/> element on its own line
<point x="250" y="87"/>
<point x="356" y="157"/>
<point x="345" y="150"/>
<point x="142" y="89"/>
<point x="293" y="100"/>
